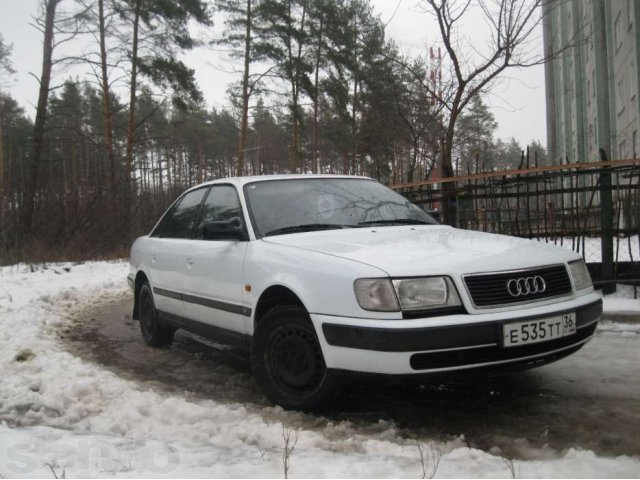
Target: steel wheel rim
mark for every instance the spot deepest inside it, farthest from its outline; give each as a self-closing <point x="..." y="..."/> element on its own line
<point x="295" y="360"/>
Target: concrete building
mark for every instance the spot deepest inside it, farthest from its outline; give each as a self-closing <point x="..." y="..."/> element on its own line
<point x="592" y="84"/>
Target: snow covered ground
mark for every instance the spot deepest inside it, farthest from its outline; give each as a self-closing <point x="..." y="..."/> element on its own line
<point x="60" y="412"/>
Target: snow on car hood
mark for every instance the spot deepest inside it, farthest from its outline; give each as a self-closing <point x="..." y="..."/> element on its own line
<point x="425" y="250"/>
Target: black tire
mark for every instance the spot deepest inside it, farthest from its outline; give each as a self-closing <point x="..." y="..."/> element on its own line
<point x="287" y="361"/>
<point x="153" y="332"/>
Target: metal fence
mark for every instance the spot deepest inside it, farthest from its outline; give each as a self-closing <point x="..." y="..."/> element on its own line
<point x="592" y="208"/>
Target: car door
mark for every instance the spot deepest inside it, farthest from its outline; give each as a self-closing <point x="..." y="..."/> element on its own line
<point x="170" y="240"/>
<point x="213" y="283"/>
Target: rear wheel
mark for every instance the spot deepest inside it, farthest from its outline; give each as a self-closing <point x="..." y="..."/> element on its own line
<point x="288" y="363"/>
<point x="153" y="332"/>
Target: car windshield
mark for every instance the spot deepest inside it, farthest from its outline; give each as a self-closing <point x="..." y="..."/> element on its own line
<point x="306" y="204"/>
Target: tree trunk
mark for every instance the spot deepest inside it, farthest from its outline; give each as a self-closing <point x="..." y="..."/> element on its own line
<point x="106" y="106"/>
<point x="160" y="180"/>
<point x="295" y="137"/>
<point x="414" y="160"/>
<point x="449" y="212"/>
<point x="169" y="173"/>
<point x="200" y="154"/>
<point x="245" y="93"/>
<point x="316" y="101"/>
<point x="131" y="125"/>
<point x="295" y="94"/>
<point x="2" y="189"/>
<point x="354" y="106"/>
<point x="41" y="113"/>
<point x="354" y="129"/>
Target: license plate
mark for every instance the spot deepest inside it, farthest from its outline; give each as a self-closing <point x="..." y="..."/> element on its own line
<point x="543" y="330"/>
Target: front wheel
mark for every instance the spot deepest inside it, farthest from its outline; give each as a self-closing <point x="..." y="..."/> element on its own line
<point x="288" y="363"/>
<point x="153" y="332"/>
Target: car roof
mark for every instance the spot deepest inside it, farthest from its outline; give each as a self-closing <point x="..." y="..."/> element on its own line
<point x="241" y="181"/>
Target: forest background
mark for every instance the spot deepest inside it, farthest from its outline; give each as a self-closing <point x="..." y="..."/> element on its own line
<point x="320" y="89"/>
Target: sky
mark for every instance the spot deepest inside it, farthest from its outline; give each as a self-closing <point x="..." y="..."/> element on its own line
<point x="517" y="101"/>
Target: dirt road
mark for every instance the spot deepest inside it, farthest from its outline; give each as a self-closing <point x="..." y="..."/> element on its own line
<point x="590" y="400"/>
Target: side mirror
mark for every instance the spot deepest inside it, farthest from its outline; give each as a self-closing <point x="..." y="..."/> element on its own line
<point x="224" y="230"/>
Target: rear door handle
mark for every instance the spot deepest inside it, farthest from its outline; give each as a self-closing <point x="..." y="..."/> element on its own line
<point x="190" y="261"/>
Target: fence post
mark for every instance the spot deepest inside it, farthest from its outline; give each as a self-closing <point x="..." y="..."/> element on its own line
<point x="606" y="224"/>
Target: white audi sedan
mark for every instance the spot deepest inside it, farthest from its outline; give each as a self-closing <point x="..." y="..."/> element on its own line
<point x="322" y="277"/>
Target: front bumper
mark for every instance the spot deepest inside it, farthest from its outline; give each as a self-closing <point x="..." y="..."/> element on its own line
<point x="454" y="343"/>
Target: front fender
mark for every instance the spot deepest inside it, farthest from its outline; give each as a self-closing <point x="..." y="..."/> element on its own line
<point x="323" y="283"/>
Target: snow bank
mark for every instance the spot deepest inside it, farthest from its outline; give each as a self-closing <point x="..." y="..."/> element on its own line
<point x="78" y="417"/>
<point x="622" y="306"/>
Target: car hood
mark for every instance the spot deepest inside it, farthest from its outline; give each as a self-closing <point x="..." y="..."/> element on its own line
<point x="427" y="250"/>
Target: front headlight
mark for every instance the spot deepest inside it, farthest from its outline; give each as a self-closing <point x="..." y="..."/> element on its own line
<point x="408" y="294"/>
<point x="426" y="293"/>
<point x="376" y="294"/>
<point x="580" y="274"/>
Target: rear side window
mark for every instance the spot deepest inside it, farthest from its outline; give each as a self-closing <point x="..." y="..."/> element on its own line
<point x="179" y="222"/>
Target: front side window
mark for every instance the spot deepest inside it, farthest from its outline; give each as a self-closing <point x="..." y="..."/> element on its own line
<point x="222" y="205"/>
<point x="289" y="206"/>
<point x="179" y="222"/>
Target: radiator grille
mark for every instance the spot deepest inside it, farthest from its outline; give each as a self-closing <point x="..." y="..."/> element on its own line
<point x="490" y="289"/>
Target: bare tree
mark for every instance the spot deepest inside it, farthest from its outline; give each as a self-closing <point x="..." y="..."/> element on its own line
<point x="510" y="28"/>
<point x="6" y="67"/>
<point x="57" y="28"/>
<point x="244" y="121"/>
<point x="287" y="43"/>
<point x="243" y="19"/>
<point x="429" y="459"/>
<point x="289" y="440"/>
<point x="53" y="466"/>
<point x="159" y="32"/>
<point x="106" y="106"/>
<point x="47" y="22"/>
<point x="511" y="466"/>
<point x="131" y="120"/>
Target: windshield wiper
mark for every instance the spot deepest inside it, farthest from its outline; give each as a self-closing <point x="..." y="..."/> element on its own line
<point x="396" y="221"/>
<point x="307" y="227"/>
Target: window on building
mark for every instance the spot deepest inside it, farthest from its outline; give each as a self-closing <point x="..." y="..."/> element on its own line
<point x="630" y="13"/>
<point x="593" y="82"/>
<point x="634" y="144"/>
<point x="622" y="149"/>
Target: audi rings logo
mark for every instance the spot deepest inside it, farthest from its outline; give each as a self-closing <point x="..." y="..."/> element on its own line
<point x="521" y="287"/>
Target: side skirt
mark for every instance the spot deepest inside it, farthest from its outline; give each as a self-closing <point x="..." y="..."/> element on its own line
<point x="222" y="335"/>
